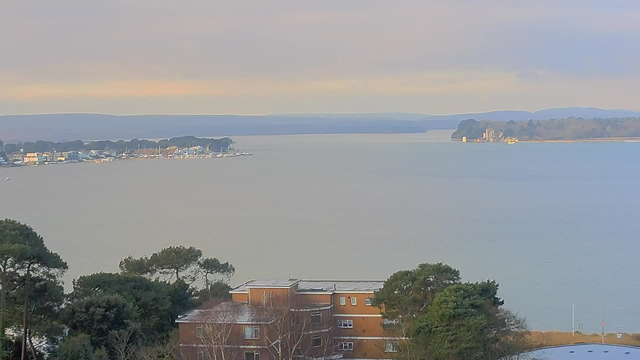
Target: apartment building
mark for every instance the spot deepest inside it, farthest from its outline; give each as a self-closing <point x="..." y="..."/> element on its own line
<point x="284" y="319"/>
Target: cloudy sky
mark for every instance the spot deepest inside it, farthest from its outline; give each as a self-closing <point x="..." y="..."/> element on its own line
<point x="297" y="56"/>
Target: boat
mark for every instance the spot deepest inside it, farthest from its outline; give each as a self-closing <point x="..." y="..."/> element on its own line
<point x="6" y="179"/>
<point x="511" y="142"/>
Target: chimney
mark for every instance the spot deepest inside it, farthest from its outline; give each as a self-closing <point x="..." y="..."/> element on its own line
<point x="335" y="287"/>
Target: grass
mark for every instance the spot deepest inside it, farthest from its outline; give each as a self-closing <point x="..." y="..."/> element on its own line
<point x="555" y="338"/>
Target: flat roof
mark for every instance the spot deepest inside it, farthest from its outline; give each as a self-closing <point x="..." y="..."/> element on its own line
<point x="272" y="283"/>
<point x="314" y="286"/>
<point x="230" y="313"/>
<point x="585" y="352"/>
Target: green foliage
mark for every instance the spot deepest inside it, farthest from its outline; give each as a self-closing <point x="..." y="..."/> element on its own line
<point x="213" y="266"/>
<point x="556" y="129"/>
<point x="174" y="260"/>
<point x="100" y="316"/>
<point x="151" y="299"/>
<point x="141" y="266"/>
<point x="75" y="348"/>
<point x="406" y="294"/>
<point x="215" y="291"/>
<point x="26" y="266"/>
<point x="120" y="145"/>
<point x="443" y="319"/>
<point x="464" y="322"/>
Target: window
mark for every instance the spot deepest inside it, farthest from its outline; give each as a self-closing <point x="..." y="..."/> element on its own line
<point x="368" y="301"/>
<point x="390" y="347"/>
<point x="345" y="346"/>
<point x="200" y="354"/>
<point x="295" y="319"/>
<point x="343" y="301"/>
<point x="316" y="319"/>
<point x="345" y="324"/>
<point x="251" y="332"/>
<point x="354" y="301"/>
<point x="251" y="355"/>
<point x="199" y="331"/>
<point x="316" y="341"/>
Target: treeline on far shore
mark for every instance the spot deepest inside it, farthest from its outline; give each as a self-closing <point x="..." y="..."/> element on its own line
<point x="556" y="129"/>
<point x="212" y="144"/>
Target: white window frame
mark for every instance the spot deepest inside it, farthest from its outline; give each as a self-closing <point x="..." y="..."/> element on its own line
<point x="315" y="315"/>
<point x="354" y="301"/>
<point x="200" y="354"/>
<point x="254" y="330"/>
<point x="345" y="324"/>
<point x="314" y="338"/>
<point x="343" y="301"/>
<point x="368" y="301"/>
<point x="199" y="331"/>
<point x="256" y="355"/>
<point x="345" y="346"/>
<point x="391" y="346"/>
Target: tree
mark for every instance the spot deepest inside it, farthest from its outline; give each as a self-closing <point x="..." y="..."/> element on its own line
<point x="151" y="299"/>
<point x="23" y="252"/>
<point x="213" y="266"/>
<point x="101" y="315"/>
<point x="11" y="246"/>
<point x="406" y="294"/>
<point x="174" y="260"/>
<point x="75" y="348"/>
<point x="141" y="266"/>
<point x="215" y="291"/>
<point x="465" y="322"/>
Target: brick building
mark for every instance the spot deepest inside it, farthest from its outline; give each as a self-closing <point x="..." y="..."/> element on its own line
<point x="285" y="319"/>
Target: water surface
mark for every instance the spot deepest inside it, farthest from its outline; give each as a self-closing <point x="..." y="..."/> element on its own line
<point x="556" y="224"/>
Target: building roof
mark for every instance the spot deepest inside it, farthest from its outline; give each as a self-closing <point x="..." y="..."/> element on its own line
<point x="314" y="286"/>
<point x="273" y="283"/>
<point x="585" y="352"/>
<point x="230" y="313"/>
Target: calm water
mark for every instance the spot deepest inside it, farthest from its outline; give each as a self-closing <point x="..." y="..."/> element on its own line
<point x="555" y="224"/>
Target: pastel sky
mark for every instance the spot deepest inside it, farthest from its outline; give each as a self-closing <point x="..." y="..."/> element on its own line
<point x="298" y="56"/>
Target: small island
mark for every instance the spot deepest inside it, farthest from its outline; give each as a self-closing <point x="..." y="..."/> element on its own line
<point x="569" y="129"/>
<point x="48" y="152"/>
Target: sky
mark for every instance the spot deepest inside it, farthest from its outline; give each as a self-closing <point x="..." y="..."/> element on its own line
<point x="296" y="56"/>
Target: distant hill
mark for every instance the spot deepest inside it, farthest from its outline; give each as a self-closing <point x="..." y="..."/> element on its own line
<point x="65" y="127"/>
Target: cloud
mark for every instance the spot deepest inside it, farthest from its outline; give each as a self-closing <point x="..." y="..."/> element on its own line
<point x="65" y="51"/>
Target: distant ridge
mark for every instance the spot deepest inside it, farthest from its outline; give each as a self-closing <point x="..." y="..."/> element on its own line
<point x="65" y="127"/>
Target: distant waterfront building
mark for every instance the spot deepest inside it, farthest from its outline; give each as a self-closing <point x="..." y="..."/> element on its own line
<point x="301" y="319"/>
<point x="33" y="158"/>
<point x="489" y="135"/>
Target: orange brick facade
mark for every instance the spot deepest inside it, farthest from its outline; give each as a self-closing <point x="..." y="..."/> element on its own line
<point x="338" y="321"/>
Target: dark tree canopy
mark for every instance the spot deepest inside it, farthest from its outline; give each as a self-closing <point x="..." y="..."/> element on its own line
<point x="140" y="266"/>
<point x="406" y="294"/>
<point x="99" y="316"/>
<point x="75" y="348"/>
<point x="151" y="299"/>
<point x="444" y="319"/>
<point x="175" y="260"/>
<point x="465" y="322"/>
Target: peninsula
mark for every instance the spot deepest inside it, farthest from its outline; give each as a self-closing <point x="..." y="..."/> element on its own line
<point x="572" y="128"/>
<point x="48" y="152"/>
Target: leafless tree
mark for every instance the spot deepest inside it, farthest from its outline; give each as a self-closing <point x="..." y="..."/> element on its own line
<point x="290" y="335"/>
<point x="120" y="343"/>
<point x="219" y="332"/>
